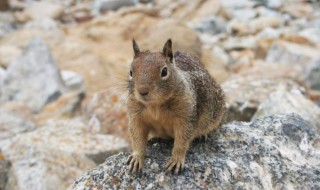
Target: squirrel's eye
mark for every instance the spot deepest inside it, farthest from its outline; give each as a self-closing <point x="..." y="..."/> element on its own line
<point x="164" y="72"/>
<point x="130" y="73"/>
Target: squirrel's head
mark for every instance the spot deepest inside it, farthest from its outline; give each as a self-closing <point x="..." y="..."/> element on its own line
<point x="152" y="74"/>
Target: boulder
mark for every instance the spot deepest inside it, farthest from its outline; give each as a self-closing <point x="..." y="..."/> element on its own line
<point x="274" y="152"/>
<point x="33" y="78"/>
<point x="297" y="55"/>
<point x="55" y="154"/>
<point x="283" y="101"/>
<point x="12" y="124"/>
<point x="245" y="93"/>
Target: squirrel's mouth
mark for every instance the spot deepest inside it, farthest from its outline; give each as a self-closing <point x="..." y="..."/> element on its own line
<point x="146" y="99"/>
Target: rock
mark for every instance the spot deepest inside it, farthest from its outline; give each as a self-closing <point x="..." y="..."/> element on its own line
<point x="245" y="93"/>
<point x="239" y="28"/>
<point x="312" y="75"/>
<point x="259" y="69"/>
<point x="293" y="54"/>
<point x="269" y="32"/>
<point x="253" y="26"/>
<point x="8" y="53"/>
<point x="210" y="25"/>
<point x="274" y="152"/>
<point x="73" y="81"/>
<point x="66" y="106"/>
<point x="245" y="14"/>
<point x="33" y="78"/>
<point x="4" y="170"/>
<point x="260" y="23"/>
<point x="299" y="9"/>
<point x="284" y="101"/>
<point x="41" y="9"/>
<point x="46" y="23"/>
<point x="6" y="28"/>
<point x="238" y="4"/>
<point x="190" y="11"/>
<point x="312" y="34"/>
<point x="106" y="111"/>
<point x="12" y="124"/>
<point x="100" y="6"/>
<point x="240" y="43"/>
<point x="19" y="109"/>
<point x="56" y="154"/>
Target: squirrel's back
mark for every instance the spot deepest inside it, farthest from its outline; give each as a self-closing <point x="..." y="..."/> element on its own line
<point x="206" y="88"/>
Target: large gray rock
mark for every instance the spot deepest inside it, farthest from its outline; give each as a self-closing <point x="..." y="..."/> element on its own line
<point x="299" y="56"/>
<point x="284" y="100"/>
<point x="12" y="124"/>
<point x="275" y="152"/>
<point x="33" y="78"/>
<point x="244" y="94"/>
<point x="52" y="156"/>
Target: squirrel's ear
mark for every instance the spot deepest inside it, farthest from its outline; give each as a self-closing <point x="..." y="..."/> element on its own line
<point x="167" y="50"/>
<point x="135" y="47"/>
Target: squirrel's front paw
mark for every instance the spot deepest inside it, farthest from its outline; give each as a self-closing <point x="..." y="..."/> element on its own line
<point x="136" y="162"/>
<point x="175" y="164"/>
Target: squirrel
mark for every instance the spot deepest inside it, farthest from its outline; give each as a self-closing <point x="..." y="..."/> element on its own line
<point x="171" y="95"/>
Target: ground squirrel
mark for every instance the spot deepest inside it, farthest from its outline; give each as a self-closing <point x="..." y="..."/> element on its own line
<point x="170" y="96"/>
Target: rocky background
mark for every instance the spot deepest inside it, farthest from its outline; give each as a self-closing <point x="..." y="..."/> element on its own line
<point x="63" y="72"/>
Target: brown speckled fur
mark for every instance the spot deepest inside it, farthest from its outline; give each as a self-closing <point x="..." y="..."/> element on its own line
<point x="185" y="104"/>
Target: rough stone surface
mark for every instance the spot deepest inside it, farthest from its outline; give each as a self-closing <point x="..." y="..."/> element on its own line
<point x="41" y="9"/>
<point x="312" y="75"/>
<point x="61" y="150"/>
<point x="244" y="94"/>
<point x="100" y="6"/>
<point x="283" y="101"/>
<point x="12" y="124"/>
<point x="4" y="170"/>
<point x="290" y="53"/>
<point x="8" y="53"/>
<point x="210" y="25"/>
<point x="73" y="81"/>
<point x="33" y="78"/>
<point x="276" y="152"/>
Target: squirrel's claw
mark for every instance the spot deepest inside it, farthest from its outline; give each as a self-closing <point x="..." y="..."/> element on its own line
<point x="136" y="163"/>
<point x="175" y="165"/>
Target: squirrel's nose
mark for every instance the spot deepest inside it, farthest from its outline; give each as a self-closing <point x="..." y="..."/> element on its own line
<point x="143" y="91"/>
